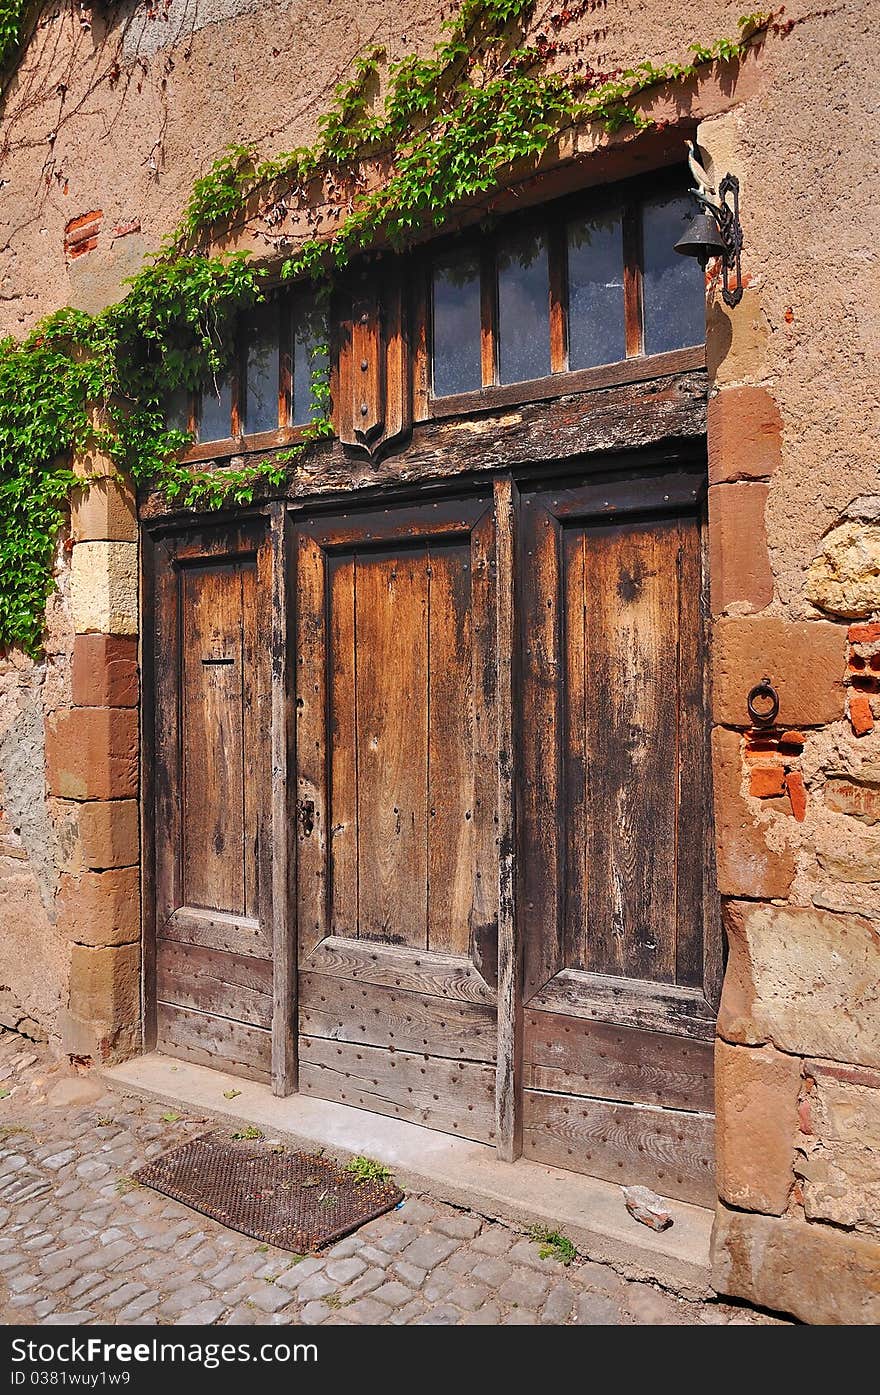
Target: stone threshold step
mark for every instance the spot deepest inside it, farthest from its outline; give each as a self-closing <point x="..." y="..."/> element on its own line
<point x="589" y="1211"/>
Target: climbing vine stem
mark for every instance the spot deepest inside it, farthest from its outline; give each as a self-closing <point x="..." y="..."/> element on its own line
<point x="450" y="124"/>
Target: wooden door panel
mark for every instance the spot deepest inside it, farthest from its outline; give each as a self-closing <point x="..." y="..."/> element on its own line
<point x="456" y="1097"/>
<point x="395" y="733"/>
<point x="598" y="1058"/>
<point x="391" y="713"/>
<point x="219" y="853"/>
<point x="212" y="949"/>
<point x="620" y="933"/>
<point x="667" y="1150"/>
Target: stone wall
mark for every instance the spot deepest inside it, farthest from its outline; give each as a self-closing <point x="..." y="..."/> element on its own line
<point x="794" y="520"/>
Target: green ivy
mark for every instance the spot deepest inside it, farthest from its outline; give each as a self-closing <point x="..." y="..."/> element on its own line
<point x="12" y="14"/>
<point x="450" y="124"/>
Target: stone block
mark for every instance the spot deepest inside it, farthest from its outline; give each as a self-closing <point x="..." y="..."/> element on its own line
<point x="104" y="671"/>
<point x="839" y="1152"/>
<point x="745" y="435"/>
<point x="817" y="1273"/>
<point x="805" y="661"/>
<point x="736" y="340"/>
<point x="845" y="577"/>
<point x="105" y="984"/>
<point x="92" y="753"/>
<point x="756" y="1101"/>
<point x="100" y="908"/>
<point x="806" y="980"/>
<point x="739" y="564"/>
<point x="850" y="853"/>
<point x="109" y="833"/>
<point x="104" y="588"/>
<point x="103" y="511"/>
<point x="746" y="865"/>
<point x="860" y="799"/>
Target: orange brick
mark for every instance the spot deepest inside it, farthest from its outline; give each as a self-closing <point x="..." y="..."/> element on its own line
<point x="864" y="634"/>
<point x="766" y="781"/>
<point x="861" y="716"/>
<point x="105" y="671"/>
<point x="797" y="794"/>
<point x="92" y="753"/>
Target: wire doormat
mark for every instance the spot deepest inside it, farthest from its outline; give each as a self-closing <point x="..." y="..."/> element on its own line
<point x="296" y="1201"/>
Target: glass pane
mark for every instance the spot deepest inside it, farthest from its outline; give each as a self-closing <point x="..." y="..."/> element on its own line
<point x="674" y="286"/>
<point x="523" y="308"/>
<point x="595" y="291"/>
<point x="456" y="326"/>
<point x="215" y="423"/>
<point x="309" y="357"/>
<point x="261" y="376"/>
<point x="177" y="410"/>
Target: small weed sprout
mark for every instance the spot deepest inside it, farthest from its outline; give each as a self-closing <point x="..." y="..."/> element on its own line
<point x="553" y="1245"/>
<point x="368" y="1170"/>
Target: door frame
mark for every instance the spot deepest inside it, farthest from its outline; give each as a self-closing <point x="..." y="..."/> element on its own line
<point x="279" y="519"/>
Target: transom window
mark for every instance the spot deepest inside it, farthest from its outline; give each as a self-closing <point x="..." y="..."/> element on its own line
<point x="268" y="386"/>
<point x="586" y="284"/>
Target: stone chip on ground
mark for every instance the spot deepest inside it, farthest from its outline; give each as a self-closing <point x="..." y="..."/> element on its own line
<point x="647" y="1207"/>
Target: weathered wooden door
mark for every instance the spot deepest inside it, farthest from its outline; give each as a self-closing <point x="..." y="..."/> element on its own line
<point x="617" y="913"/>
<point x="397" y="863"/>
<point x="208" y="615"/>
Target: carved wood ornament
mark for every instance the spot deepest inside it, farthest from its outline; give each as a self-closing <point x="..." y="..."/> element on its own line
<point x="374" y="398"/>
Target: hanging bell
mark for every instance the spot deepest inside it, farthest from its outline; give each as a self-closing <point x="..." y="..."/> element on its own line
<point x="701" y="239"/>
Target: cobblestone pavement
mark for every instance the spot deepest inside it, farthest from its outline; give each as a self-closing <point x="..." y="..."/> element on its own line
<point x="81" y="1243"/>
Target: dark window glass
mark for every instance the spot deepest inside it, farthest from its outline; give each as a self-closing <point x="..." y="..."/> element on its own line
<point x="674" y="286"/>
<point x="309" y="358"/>
<point x="595" y="292"/>
<point x="261" y="369"/>
<point x="177" y="410"/>
<point x="215" y="423"/>
<point x="456" y="325"/>
<point x="523" y="308"/>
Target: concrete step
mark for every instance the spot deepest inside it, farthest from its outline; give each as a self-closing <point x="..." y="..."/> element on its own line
<point x="589" y="1211"/>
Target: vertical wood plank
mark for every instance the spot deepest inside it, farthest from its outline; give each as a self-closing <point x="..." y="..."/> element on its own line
<point x="488" y="670"/>
<point x="450" y="798"/>
<point x="285" y="362"/>
<point x="632" y="625"/>
<point x="632" y="280"/>
<point x="558" y="268"/>
<point x="541" y="785"/>
<point x="253" y="744"/>
<point x="508" y="1083"/>
<point x="693" y="794"/>
<point x="284" y="968"/>
<point x="421" y="355"/>
<point x="342" y="714"/>
<point x="575" y="831"/>
<point x="311" y="750"/>
<point x="213" y="754"/>
<point x="392" y="725"/>
<point x="488" y="316"/>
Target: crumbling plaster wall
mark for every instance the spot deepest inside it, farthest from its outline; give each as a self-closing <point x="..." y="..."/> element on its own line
<point x="794" y="542"/>
<point x="34" y="951"/>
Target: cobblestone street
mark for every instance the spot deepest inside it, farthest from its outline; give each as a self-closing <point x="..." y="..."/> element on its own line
<point x="81" y="1243"/>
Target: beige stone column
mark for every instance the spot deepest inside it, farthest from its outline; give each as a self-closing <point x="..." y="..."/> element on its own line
<point x="92" y="765"/>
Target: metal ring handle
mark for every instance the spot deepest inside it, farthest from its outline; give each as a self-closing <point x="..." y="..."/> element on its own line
<point x="763" y="716"/>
